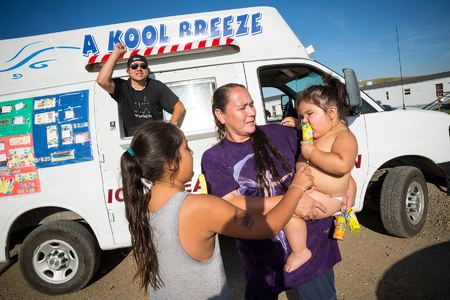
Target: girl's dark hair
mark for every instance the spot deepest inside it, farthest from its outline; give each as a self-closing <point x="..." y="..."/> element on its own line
<point x="265" y="151"/>
<point x="331" y="93"/>
<point x="153" y="144"/>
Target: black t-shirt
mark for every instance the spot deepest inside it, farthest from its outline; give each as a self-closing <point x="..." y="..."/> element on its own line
<point x="136" y="107"/>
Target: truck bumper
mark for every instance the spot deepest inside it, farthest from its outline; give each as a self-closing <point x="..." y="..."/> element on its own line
<point x="445" y="167"/>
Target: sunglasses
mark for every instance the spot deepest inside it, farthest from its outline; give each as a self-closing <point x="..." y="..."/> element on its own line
<point x="134" y="66"/>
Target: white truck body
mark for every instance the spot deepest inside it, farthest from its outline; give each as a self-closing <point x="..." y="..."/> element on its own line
<point x="77" y="163"/>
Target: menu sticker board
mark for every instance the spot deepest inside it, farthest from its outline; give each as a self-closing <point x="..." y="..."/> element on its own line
<point x="16" y="117"/>
<point x="18" y="172"/>
<point x="61" y="127"/>
<point x="41" y="132"/>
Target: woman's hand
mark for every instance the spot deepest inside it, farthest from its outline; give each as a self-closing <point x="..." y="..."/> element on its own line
<point x="291" y="122"/>
<point x="303" y="177"/>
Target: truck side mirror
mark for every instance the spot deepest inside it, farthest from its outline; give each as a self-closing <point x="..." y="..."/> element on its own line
<point x="353" y="100"/>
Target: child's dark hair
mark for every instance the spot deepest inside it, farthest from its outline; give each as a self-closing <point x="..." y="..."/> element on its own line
<point x="331" y="93"/>
<point x="153" y="144"/>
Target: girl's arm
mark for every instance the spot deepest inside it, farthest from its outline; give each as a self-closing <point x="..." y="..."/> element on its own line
<point x="340" y="160"/>
<point x="218" y="216"/>
<point x="252" y="204"/>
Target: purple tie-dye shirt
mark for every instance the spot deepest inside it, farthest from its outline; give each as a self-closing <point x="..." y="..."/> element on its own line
<point x="230" y="166"/>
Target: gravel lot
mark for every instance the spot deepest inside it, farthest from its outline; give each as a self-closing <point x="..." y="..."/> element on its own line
<point x="375" y="265"/>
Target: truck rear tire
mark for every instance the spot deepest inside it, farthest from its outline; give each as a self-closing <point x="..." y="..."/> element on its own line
<point x="59" y="257"/>
<point x="404" y="201"/>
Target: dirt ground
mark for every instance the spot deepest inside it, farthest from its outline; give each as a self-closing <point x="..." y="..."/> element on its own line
<point x="375" y="265"/>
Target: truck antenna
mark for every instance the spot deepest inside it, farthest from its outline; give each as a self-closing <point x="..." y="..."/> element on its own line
<point x="400" y="64"/>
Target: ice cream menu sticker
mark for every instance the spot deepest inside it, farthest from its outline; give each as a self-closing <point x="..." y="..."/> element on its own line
<point x="61" y="125"/>
<point x="18" y="173"/>
<point x="41" y="132"/>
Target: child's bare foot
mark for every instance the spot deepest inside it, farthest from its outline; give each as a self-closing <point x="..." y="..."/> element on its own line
<point x="296" y="259"/>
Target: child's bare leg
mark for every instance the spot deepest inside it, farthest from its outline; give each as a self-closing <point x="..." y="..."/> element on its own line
<point x="295" y="231"/>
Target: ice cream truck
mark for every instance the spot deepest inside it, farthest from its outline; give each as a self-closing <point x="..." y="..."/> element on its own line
<point x="61" y="136"/>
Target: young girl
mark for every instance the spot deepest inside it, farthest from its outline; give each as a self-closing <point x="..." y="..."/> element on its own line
<point x="331" y="158"/>
<point x="174" y="234"/>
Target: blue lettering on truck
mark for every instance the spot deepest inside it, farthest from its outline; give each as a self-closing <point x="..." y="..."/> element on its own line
<point x="152" y="35"/>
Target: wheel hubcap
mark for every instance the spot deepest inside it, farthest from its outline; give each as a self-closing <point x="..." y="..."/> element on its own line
<point x="55" y="261"/>
<point x="415" y="200"/>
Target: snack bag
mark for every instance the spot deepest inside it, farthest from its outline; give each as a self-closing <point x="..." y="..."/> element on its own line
<point x="339" y="229"/>
<point x="352" y="221"/>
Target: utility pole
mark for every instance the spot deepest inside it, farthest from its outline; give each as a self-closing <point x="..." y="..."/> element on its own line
<point x="400" y="64"/>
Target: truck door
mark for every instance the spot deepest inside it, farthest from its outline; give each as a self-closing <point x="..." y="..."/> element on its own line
<point x="274" y="86"/>
<point x="111" y="144"/>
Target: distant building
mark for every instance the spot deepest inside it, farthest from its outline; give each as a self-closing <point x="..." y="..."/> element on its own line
<point x="273" y="108"/>
<point x="418" y="91"/>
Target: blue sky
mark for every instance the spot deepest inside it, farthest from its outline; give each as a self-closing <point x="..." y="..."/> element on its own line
<point x="356" y="34"/>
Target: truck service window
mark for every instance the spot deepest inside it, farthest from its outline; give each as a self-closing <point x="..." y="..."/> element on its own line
<point x="196" y="96"/>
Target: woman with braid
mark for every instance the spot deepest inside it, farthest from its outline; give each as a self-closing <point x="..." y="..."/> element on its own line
<point x="252" y="167"/>
<point x="174" y="234"/>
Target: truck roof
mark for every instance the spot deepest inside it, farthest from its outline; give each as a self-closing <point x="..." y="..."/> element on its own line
<point x="73" y="56"/>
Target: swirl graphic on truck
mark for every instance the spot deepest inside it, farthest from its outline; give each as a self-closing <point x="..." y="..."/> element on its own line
<point x="36" y="64"/>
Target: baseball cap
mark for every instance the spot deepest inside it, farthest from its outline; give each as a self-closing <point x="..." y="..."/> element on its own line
<point x="135" y="58"/>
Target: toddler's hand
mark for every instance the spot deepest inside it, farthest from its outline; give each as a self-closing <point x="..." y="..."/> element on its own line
<point x="307" y="149"/>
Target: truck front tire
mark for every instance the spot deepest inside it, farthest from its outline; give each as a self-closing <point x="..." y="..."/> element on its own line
<point x="404" y="201"/>
<point x="59" y="257"/>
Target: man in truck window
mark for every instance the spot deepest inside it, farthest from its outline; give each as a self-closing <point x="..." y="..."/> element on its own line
<point x="139" y="98"/>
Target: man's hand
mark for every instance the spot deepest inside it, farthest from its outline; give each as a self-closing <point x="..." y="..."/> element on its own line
<point x="307" y="207"/>
<point x="119" y="49"/>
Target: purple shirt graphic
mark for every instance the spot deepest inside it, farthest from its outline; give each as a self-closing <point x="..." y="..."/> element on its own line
<point x="230" y="166"/>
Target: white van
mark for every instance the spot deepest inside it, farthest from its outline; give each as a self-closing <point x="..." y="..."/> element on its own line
<point x="61" y="137"/>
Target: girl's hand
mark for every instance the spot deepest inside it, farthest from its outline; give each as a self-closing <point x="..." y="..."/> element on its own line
<point x="308" y="208"/>
<point x="307" y="149"/>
